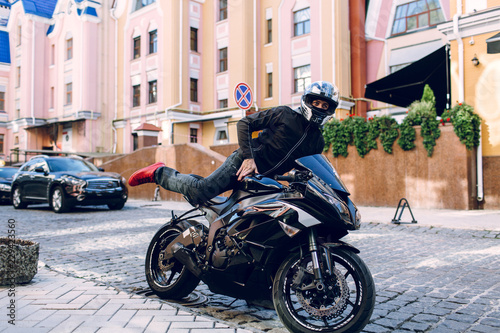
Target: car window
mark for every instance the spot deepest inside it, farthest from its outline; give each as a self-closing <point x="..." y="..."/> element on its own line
<point x="7" y="172"/>
<point x="30" y="166"/>
<point x="70" y="164"/>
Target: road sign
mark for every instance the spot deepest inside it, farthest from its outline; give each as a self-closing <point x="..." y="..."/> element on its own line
<point x="243" y="96"/>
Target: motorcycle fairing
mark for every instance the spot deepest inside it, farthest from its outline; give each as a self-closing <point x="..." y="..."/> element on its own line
<point x="321" y="167"/>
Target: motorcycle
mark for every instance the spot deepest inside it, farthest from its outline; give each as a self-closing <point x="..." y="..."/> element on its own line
<point x="271" y="240"/>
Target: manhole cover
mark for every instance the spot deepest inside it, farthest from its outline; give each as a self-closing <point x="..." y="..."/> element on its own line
<point x="193" y="299"/>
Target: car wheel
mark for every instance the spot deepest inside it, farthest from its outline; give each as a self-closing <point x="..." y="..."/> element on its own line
<point x="58" y="200"/>
<point x="17" y="200"/>
<point x="116" y="206"/>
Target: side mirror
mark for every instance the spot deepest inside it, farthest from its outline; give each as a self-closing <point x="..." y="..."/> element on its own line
<point x="100" y="169"/>
<point x="39" y="169"/>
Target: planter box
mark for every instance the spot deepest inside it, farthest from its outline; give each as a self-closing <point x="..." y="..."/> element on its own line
<point x="18" y="261"/>
<point x="445" y="180"/>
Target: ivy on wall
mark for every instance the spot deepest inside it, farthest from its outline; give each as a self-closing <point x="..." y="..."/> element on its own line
<point x="362" y="133"/>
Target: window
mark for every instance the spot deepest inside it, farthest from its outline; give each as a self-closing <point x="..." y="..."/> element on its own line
<point x="18" y="76"/>
<point x="16" y="140"/>
<point x="301" y="78"/>
<point x="223" y="60"/>
<point x="143" y="3"/>
<point x="222" y="10"/>
<point x="415" y="15"/>
<point x="223" y="103"/>
<point x="137" y="47"/>
<point x="221" y="136"/>
<point x="269" y="84"/>
<point x="52" y="94"/>
<point x="270" y="31"/>
<point x="52" y="54"/>
<point x="136" y="95"/>
<point x="19" y="35"/>
<point x="153" y="42"/>
<point x="194" y="39"/>
<point x="1" y="143"/>
<point x="2" y="101"/>
<point x="301" y="22"/>
<point x="152" y="92"/>
<point x="69" y="94"/>
<point x="69" y="49"/>
<point x="18" y="113"/>
<point x="193" y="135"/>
<point x="194" y="90"/>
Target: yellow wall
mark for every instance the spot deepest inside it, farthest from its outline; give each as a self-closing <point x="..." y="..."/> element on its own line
<point x="481" y="88"/>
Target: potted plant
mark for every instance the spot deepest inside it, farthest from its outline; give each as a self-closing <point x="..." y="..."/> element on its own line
<point x="18" y="260"/>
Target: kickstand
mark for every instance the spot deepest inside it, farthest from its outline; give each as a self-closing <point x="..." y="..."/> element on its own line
<point x="398" y="220"/>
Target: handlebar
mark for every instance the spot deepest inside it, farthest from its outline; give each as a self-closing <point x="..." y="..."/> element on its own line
<point x="295" y="176"/>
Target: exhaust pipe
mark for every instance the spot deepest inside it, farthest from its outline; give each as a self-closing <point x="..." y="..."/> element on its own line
<point x="185" y="257"/>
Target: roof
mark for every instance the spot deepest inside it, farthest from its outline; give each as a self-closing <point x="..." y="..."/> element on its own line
<point x="87" y="11"/>
<point x="43" y="8"/>
<point x="4" y="3"/>
<point x="4" y="47"/>
<point x="147" y="127"/>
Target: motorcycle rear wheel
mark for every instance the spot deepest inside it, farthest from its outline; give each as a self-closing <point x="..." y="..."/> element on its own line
<point x="168" y="279"/>
<point x="347" y="304"/>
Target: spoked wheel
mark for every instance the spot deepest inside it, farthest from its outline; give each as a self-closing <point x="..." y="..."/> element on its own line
<point x="168" y="279"/>
<point x="58" y="200"/>
<point x="17" y="200"/>
<point x="344" y="303"/>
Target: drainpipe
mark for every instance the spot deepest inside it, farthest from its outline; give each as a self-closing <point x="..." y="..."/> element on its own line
<point x="115" y="132"/>
<point x="461" y="98"/>
<point x="32" y="77"/>
<point x="180" y="72"/>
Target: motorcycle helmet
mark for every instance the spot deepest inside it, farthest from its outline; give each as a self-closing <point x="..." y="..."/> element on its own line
<point x="324" y="91"/>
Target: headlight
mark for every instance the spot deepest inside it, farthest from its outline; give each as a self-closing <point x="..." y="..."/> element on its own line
<point x="124" y="181"/>
<point x="70" y="180"/>
<point x="5" y="187"/>
<point x="341" y="208"/>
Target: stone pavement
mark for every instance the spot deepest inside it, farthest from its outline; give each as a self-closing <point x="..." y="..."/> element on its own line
<point x="53" y="302"/>
<point x="439" y="275"/>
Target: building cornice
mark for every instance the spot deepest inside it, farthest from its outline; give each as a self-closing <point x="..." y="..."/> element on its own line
<point x="475" y="24"/>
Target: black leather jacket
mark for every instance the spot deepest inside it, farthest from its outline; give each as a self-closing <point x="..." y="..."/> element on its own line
<point x="286" y="135"/>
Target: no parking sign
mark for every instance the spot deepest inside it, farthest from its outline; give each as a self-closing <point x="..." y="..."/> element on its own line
<point x="243" y="96"/>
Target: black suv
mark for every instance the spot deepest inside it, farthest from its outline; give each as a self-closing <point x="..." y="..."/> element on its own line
<point x="64" y="182"/>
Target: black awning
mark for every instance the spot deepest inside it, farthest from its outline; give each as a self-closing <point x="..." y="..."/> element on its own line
<point x="493" y="44"/>
<point x="405" y="86"/>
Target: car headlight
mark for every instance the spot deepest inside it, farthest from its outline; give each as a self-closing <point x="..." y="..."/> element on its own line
<point x="5" y="187"/>
<point x="70" y="180"/>
<point x="341" y="208"/>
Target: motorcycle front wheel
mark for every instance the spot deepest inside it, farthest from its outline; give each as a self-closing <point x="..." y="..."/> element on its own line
<point x="344" y="304"/>
<point x="168" y="279"/>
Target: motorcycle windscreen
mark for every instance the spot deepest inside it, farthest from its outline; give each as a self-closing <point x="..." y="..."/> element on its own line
<point x="321" y="167"/>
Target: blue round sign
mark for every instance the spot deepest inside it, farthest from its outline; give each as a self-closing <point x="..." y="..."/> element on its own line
<point x="243" y="96"/>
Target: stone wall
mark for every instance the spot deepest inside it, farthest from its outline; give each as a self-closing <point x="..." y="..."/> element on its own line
<point x="382" y="179"/>
<point x="186" y="158"/>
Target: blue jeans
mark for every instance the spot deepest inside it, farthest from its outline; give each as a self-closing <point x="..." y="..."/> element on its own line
<point x="198" y="189"/>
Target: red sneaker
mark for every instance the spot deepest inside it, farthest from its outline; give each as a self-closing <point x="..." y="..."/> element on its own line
<point x="144" y="175"/>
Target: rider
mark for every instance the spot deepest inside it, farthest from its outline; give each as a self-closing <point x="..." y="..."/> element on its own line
<point x="286" y="135"/>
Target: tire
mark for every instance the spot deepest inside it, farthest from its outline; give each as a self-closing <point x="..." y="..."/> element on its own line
<point x="173" y="280"/>
<point x="58" y="201"/>
<point x="116" y="206"/>
<point x="350" y="294"/>
<point x="17" y="200"/>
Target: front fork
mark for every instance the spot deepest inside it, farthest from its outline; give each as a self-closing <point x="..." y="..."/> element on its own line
<point x="315" y="255"/>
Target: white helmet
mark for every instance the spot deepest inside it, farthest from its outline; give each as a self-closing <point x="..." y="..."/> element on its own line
<point x="324" y="91"/>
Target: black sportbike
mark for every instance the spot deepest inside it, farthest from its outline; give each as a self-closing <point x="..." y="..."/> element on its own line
<point x="271" y="241"/>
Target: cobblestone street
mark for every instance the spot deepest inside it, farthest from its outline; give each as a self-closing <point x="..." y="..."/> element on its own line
<point x="428" y="279"/>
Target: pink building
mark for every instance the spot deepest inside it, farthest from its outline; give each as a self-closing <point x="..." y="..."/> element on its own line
<point x="91" y="77"/>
